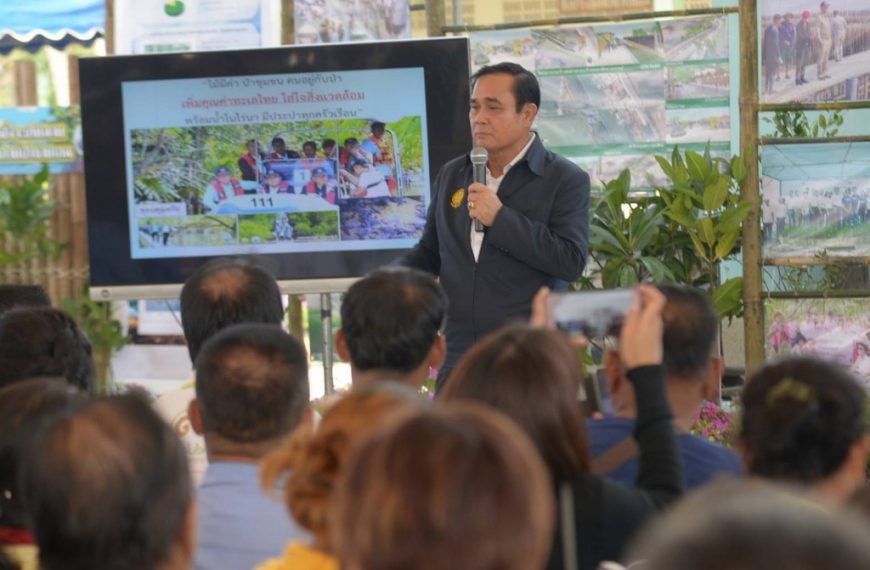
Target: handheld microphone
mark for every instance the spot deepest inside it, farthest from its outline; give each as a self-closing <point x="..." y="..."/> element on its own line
<point x="479" y="156"/>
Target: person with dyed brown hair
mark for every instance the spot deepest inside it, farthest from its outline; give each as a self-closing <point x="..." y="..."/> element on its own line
<point x="534" y="376"/>
<point x="459" y="487"/>
<point x="312" y="459"/>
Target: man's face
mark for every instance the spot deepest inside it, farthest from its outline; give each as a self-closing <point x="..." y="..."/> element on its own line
<point x="378" y="131"/>
<point x="224" y="178"/>
<point x="358" y="169"/>
<point x="279" y="146"/>
<point x="274" y="179"/>
<point x="495" y="123"/>
<point x="320" y="179"/>
<point x="252" y="148"/>
<point x="310" y="151"/>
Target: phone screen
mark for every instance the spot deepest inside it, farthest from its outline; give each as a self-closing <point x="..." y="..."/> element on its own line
<point x="593" y="314"/>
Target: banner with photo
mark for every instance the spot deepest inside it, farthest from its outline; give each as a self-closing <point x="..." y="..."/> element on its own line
<point x="32" y="136"/>
<point x="615" y="95"/>
<point x="815" y="199"/>
<point x="332" y="21"/>
<point x="195" y="25"/>
<point x="837" y="330"/>
<point x="813" y="51"/>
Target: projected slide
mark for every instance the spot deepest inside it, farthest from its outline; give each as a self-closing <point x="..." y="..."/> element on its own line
<point x="276" y="163"/>
<point x="613" y="96"/>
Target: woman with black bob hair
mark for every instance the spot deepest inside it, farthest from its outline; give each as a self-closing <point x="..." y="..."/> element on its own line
<point x="804" y="423"/>
<point x="534" y="376"/>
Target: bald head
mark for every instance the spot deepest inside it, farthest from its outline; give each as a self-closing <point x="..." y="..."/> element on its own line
<point x="226" y="292"/>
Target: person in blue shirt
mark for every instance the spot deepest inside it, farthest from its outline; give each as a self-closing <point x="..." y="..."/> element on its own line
<point x="693" y="370"/>
<point x="251" y="392"/>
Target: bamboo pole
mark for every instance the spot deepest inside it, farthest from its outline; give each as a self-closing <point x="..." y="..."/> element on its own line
<point x="25" y="96"/>
<point x="813" y="140"/>
<point x="79" y="242"/>
<point x="572" y="19"/>
<point x="288" y="22"/>
<point x="802" y="260"/>
<point x="829" y="294"/>
<point x="64" y="236"/>
<point x="819" y="106"/>
<point x="753" y="309"/>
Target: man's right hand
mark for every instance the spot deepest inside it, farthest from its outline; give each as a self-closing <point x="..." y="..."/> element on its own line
<point x="640" y="340"/>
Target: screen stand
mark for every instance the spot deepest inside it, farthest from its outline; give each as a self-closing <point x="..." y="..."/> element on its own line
<point x="326" y="321"/>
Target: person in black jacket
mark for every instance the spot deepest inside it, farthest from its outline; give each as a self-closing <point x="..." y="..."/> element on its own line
<point x="533" y="376"/>
<point x="534" y="208"/>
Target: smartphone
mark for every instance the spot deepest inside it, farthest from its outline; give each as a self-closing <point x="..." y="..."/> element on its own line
<point x="593" y="314"/>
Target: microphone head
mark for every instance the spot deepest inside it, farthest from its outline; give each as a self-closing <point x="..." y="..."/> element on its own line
<point x="479" y="155"/>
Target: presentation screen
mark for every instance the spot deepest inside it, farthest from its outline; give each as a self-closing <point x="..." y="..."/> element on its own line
<point x="316" y="160"/>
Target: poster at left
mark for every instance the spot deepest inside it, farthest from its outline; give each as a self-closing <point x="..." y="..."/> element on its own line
<point x="161" y="26"/>
<point x="31" y="136"/>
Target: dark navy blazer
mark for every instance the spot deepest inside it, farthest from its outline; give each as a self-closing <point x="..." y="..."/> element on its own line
<point x="539" y="237"/>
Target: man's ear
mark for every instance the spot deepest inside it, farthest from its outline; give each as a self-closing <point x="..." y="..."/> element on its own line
<point x="612" y="371"/>
<point x="341" y="346"/>
<point x="857" y="457"/>
<point x="437" y="353"/>
<point x="529" y="112"/>
<point x="194" y="415"/>
<point x="710" y="389"/>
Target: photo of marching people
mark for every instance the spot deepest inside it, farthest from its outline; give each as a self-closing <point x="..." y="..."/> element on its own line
<point x="814" y="51"/>
<point x="266" y="174"/>
<point x="837" y="330"/>
<point x="812" y="202"/>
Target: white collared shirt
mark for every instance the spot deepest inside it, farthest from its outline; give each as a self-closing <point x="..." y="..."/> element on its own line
<point x="494" y="183"/>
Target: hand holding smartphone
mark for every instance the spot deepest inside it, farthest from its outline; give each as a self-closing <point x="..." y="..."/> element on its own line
<point x="592" y="314"/>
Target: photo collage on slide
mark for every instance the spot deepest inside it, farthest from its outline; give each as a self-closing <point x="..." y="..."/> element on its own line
<point x="259" y="178"/>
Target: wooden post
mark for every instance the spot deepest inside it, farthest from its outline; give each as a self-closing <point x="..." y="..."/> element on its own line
<point x="753" y="309"/>
<point x="288" y="22"/>
<point x="434" y="18"/>
<point x="110" y="27"/>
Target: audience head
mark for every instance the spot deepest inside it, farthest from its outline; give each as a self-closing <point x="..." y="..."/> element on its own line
<point x="251" y="388"/>
<point x="803" y="422"/>
<point x="44" y="342"/>
<point x="110" y="488"/>
<point x="459" y="487"/>
<point x="224" y="292"/>
<point x="690" y="350"/>
<point x="533" y="376"/>
<point x="740" y="526"/>
<point x="378" y="128"/>
<point x="26" y="407"/>
<point x="22" y="295"/>
<point x="311" y="461"/>
<point x="391" y="325"/>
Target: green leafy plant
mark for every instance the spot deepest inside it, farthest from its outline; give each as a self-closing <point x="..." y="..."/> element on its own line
<point x="26" y="210"/>
<point x="103" y="330"/>
<point x="790" y="124"/>
<point x="623" y="237"/>
<point x="703" y="202"/>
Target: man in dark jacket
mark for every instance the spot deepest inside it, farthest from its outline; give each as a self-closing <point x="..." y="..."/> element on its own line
<point x="770" y="55"/>
<point x="533" y="207"/>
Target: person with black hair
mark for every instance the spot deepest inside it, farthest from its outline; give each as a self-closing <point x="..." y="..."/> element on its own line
<point x="392" y="323"/>
<point x="251" y="163"/>
<point x="22" y="296"/>
<point x="26" y="407"/>
<point x="280" y="150"/>
<point x="533" y="208"/>
<point x="110" y="488"/>
<point x="42" y="341"/>
<point x="251" y="393"/>
<point x="223" y="292"/>
<point x="804" y="423"/>
<point x="693" y="370"/>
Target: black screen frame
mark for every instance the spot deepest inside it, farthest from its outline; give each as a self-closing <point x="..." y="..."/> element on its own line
<point x="113" y="271"/>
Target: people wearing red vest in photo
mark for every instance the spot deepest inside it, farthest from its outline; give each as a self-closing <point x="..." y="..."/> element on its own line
<point x="222" y="187"/>
<point x="275" y="184"/>
<point x="251" y="163"/>
<point x="319" y="185"/>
